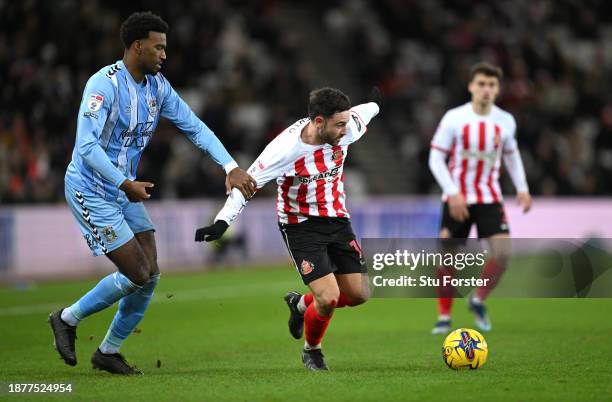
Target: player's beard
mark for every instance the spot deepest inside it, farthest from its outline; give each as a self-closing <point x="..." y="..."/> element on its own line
<point x="328" y="137"/>
<point x="152" y="71"/>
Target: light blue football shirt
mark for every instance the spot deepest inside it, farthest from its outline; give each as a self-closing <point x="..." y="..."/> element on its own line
<point x="116" y="121"/>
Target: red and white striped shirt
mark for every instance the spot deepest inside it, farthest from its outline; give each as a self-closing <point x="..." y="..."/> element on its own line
<point x="475" y="145"/>
<point x="310" y="178"/>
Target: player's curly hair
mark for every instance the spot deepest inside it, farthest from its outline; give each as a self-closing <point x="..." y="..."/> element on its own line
<point x="326" y="102"/>
<point x="138" y="25"/>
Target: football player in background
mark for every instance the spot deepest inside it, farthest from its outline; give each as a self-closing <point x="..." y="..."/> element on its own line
<point x="476" y="137"/>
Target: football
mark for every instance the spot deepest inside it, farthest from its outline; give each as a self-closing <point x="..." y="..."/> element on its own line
<point x="465" y="348"/>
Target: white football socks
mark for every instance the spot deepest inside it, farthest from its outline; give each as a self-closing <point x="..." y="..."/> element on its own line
<point x="307" y="346"/>
<point x="301" y="306"/>
<point x="69" y="318"/>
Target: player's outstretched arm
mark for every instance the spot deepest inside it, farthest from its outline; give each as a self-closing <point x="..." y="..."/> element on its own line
<point x="212" y="232"/>
<point x="268" y="166"/>
<point x="242" y="181"/>
<point x="360" y="117"/>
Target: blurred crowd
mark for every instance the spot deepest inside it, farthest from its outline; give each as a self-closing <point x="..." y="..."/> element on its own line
<point x="246" y="76"/>
<point x="240" y="70"/>
<point x="557" y="59"/>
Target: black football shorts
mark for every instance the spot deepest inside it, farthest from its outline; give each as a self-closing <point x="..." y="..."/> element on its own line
<point x="320" y="246"/>
<point x="490" y="219"/>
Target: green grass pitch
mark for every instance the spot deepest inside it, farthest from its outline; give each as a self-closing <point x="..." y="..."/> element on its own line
<point x="223" y="335"/>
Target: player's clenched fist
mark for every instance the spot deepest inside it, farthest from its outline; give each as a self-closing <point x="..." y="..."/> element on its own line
<point x="212" y="232"/>
<point x="242" y="181"/>
<point x="375" y="96"/>
<point x="136" y="191"/>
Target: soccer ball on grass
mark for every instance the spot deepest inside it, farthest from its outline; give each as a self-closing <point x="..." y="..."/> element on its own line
<point x="465" y="348"/>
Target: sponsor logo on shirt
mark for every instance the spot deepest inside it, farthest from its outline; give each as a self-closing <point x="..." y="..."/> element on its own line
<point x="139" y="136"/>
<point x="489" y="156"/>
<point x="329" y="176"/>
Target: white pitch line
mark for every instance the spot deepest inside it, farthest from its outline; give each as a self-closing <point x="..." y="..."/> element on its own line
<point x="30" y="309"/>
<point x="213" y="293"/>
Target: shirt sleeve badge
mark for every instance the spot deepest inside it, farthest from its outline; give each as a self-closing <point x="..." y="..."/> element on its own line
<point x="95" y="102"/>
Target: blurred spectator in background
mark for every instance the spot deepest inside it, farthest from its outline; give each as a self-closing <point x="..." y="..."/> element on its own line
<point x="246" y="84"/>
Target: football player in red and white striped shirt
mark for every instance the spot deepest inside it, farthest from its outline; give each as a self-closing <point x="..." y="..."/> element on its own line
<point x="307" y="161"/>
<point x="475" y="137"/>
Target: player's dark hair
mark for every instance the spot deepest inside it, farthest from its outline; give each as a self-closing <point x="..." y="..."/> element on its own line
<point x="138" y="25"/>
<point x="487" y="69"/>
<point x="326" y="102"/>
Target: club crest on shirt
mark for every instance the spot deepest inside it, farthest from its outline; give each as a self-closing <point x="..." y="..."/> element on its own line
<point x="337" y="155"/>
<point x="306" y="267"/>
<point x="152" y="107"/>
<point x="95" y="102"/>
<point x="109" y="234"/>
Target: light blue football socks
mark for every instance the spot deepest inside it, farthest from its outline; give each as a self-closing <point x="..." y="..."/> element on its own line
<point x="130" y="312"/>
<point x="110" y="289"/>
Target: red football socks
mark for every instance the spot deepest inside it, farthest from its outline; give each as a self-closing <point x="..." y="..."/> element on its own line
<point x="445" y="293"/>
<point x="444" y="305"/>
<point x="308" y="299"/>
<point x="344" y="300"/>
<point x="493" y="272"/>
<point x="314" y="325"/>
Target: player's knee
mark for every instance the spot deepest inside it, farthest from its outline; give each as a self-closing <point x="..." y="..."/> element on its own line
<point x="140" y="279"/>
<point x="360" y="298"/>
<point x="153" y="269"/>
<point x="140" y="274"/>
<point x="501" y="259"/>
<point x="327" y="301"/>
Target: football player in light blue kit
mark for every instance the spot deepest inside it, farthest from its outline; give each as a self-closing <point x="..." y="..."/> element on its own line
<point x="120" y="109"/>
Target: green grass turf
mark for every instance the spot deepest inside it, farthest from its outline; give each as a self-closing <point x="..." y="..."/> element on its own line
<point x="223" y="336"/>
